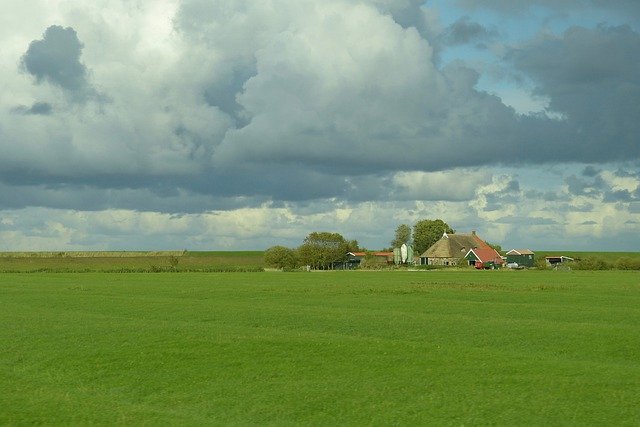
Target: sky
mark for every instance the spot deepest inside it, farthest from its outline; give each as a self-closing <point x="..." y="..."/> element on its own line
<point x="241" y="124"/>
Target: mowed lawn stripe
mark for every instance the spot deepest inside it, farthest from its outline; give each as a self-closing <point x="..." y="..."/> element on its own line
<point x="319" y="348"/>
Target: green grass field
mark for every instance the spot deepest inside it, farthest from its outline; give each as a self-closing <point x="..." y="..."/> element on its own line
<point x="432" y="347"/>
<point x="128" y="261"/>
<point x="608" y="256"/>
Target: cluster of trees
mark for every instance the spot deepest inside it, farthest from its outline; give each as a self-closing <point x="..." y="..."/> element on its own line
<point x="320" y="250"/>
<point x="424" y="234"/>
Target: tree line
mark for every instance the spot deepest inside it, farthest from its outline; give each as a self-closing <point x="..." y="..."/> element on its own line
<point x="319" y="250"/>
<point x="322" y="250"/>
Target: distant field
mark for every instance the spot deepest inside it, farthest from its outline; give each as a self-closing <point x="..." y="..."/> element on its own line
<point x="205" y="261"/>
<point x="129" y="261"/>
<point x="321" y="348"/>
<point x="608" y="256"/>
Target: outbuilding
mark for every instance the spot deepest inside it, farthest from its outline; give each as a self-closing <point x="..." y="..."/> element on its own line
<point x="553" y="261"/>
<point x="522" y="257"/>
<point x="485" y="258"/>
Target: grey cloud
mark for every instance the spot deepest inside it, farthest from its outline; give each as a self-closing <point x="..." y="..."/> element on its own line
<point x="586" y="207"/>
<point x="588" y="223"/>
<point x="300" y="110"/>
<point x="317" y="113"/>
<point x="513" y="186"/>
<point x="526" y="220"/>
<point x="590" y="77"/>
<point x="547" y="196"/>
<point x="623" y="173"/>
<point x="90" y="198"/>
<point x="590" y="171"/>
<point x="496" y="201"/>
<point x="551" y="196"/>
<point x="222" y="93"/>
<point x="582" y="187"/>
<point x="56" y="59"/>
<point x="407" y="13"/>
<point x="38" y="109"/>
<point x="464" y="31"/>
<point x="617" y="196"/>
<point x="523" y="6"/>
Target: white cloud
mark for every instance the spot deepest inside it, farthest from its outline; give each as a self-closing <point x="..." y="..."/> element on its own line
<point x="452" y="185"/>
<point x="235" y="123"/>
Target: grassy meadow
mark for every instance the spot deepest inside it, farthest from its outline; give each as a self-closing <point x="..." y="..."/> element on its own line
<point x="430" y="347"/>
<point x="55" y="262"/>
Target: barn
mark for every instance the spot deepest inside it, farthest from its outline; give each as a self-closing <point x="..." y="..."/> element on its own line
<point x="522" y="257"/>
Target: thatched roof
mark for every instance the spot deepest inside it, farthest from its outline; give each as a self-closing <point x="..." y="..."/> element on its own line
<point x="453" y="246"/>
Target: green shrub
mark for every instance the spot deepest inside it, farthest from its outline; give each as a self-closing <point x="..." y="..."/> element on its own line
<point x="281" y="257"/>
<point x="541" y="264"/>
<point x="592" y="263"/>
<point x="627" y="263"/>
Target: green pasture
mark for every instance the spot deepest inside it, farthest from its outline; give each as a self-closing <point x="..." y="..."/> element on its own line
<point x="321" y="348"/>
<point x="607" y="256"/>
<point x="129" y="261"/>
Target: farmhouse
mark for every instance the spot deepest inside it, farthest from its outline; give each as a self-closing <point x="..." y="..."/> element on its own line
<point x="451" y="248"/>
<point x="522" y="257"/>
<point x="484" y="257"/>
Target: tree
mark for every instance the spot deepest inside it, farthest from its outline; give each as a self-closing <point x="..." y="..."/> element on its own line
<point x="281" y="257"/>
<point x="353" y="246"/>
<point x="495" y="246"/>
<point x="403" y="236"/>
<point x="321" y="249"/>
<point x="426" y="232"/>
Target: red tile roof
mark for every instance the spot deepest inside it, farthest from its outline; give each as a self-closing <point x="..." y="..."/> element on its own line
<point x="383" y="254"/>
<point x="487" y="254"/>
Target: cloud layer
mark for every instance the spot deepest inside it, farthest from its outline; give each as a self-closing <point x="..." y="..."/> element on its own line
<point x="194" y="106"/>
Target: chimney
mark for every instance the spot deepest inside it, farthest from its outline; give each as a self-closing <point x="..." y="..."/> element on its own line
<point x="473" y="232"/>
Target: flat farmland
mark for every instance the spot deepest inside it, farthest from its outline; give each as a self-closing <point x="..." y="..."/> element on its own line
<point x="431" y="347"/>
<point x="55" y="262"/>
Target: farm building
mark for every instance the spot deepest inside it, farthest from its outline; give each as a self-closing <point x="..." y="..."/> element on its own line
<point x="355" y="258"/>
<point x="555" y="260"/>
<point x="484" y="257"/>
<point x="451" y="248"/>
<point x="522" y="257"/>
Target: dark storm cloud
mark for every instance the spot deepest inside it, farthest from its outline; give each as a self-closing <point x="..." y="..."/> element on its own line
<point x="465" y="31"/>
<point x="89" y="198"/>
<point x="56" y="59"/>
<point x="592" y="78"/>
